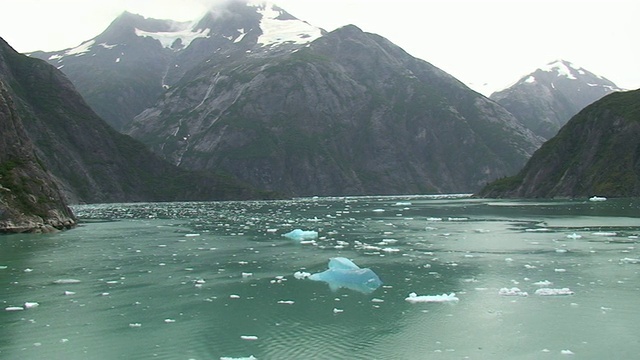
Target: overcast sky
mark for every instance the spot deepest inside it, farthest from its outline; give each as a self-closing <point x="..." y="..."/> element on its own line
<point x="487" y="44"/>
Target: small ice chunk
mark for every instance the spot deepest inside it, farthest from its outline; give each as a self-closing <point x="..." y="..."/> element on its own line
<point x="630" y="261"/>
<point x="301" y="275"/>
<point x="300" y="235"/>
<point x="415" y="298"/>
<point x="567" y="352"/>
<point x="574" y="236"/>
<point x="66" y="281"/>
<point x="14" y="308"/>
<point x="286" y="302"/>
<point x="553" y="292"/>
<point x="169" y="321"/>
<point x="337" y="311"/>
<point x="514" y="291"/>
<point x="69" y="293"/>
<point x="597" y="198"/>
<point x="247" y="274"/>
<point x="135" y="325"/>
<point x="242" y="358"/>
<point x="248" y="337"/>
<point x="543" y="283"/>
<point x="234" y="296"/>
<point x="343" y="273"/>
<point x="29" y="305"/>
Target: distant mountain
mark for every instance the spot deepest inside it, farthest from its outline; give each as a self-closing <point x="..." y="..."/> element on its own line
<point x="547" y="98"/>
<point x="349" y="113"/>
<point x="89" y="160"/>
<point x="29" y="198"/>
<point x="596" y="153"/>
<point x="125" y="69"/>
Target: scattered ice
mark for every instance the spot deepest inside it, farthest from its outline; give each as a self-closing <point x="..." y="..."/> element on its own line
<point x="66" y="281"/>
<point x="514" y="291"/>
<point x="543" y="283"/>
<point x="605" y="233"/>
<point x="414" y="298"/>
<point x="343" y="273"/>
<point x="301" y="275"/>
<point x="597" y="198"/>
<point x="300" y="235"/>
<point x="553" y="292"/>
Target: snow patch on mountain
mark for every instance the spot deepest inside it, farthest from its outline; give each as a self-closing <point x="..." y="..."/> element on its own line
<point x="183" y="32"/>
<point x="81" y="49"/>
<point x="563" y="68"/>
<point x="276" y="31"/>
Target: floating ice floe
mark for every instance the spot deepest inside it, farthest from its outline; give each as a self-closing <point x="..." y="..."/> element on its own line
<point x="14" y="308"/>
<point x="630" y="261"/>
<point x="299" y="235"/>
<point x="553" y="292"/>
<point x="574" y="236"/>
<point x="597" y="198"/>
<point x="343" y="273"/>
<point x="514" y="291"/>
<point x="415" y="298"/>
<point x="66" y="281"/>
<point x="248" y="337"/>
<point x="30" y="305"/>
<point x="242" y="358"/>
<point x="543" y="283"/>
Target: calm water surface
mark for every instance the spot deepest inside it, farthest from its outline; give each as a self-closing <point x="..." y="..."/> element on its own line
<point x="216" y="280"/>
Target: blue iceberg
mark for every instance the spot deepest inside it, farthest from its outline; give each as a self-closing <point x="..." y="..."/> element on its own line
<point x="343" y="273"/>
<point x="301" y="235"/>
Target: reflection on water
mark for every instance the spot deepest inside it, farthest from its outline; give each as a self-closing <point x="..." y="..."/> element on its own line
<point x="216" y="280"/>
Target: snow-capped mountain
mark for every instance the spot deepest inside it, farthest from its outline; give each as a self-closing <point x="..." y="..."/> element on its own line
<point x="126" y="68"/>
<point x="548" y="97"/>
<point x="251" y="91"/>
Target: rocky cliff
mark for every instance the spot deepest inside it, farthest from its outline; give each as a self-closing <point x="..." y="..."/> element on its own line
<point x="89" y="160"/>
<point x="596" y="153"/>
<point x="29" y="199"/>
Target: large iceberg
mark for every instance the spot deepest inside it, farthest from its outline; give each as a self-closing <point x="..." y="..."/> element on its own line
<point x="343" y="273"/>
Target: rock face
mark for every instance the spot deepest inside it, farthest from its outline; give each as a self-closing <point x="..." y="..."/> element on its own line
<point x="29" y="198"/>
<point x="596" y="153"/>
<point x="547" y="98"/>
<point x="89" y="160"/>
<point x="349" y="113"/>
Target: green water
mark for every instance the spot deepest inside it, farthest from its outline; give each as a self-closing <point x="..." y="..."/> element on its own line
<point x="215" y="280"/>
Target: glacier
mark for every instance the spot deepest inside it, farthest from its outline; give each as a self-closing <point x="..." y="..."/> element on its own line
<point x="343" y="273"/>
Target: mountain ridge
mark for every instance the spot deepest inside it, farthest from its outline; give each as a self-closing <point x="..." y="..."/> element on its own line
<point x="547" y="98"/>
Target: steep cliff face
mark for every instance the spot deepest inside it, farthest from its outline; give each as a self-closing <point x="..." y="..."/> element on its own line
<point x="349" y="113"/>
<point x="547" y="98"/>
<point x="29" y="198"/>
<point x="89" y="160"/>
<point x="596" y="153"/>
